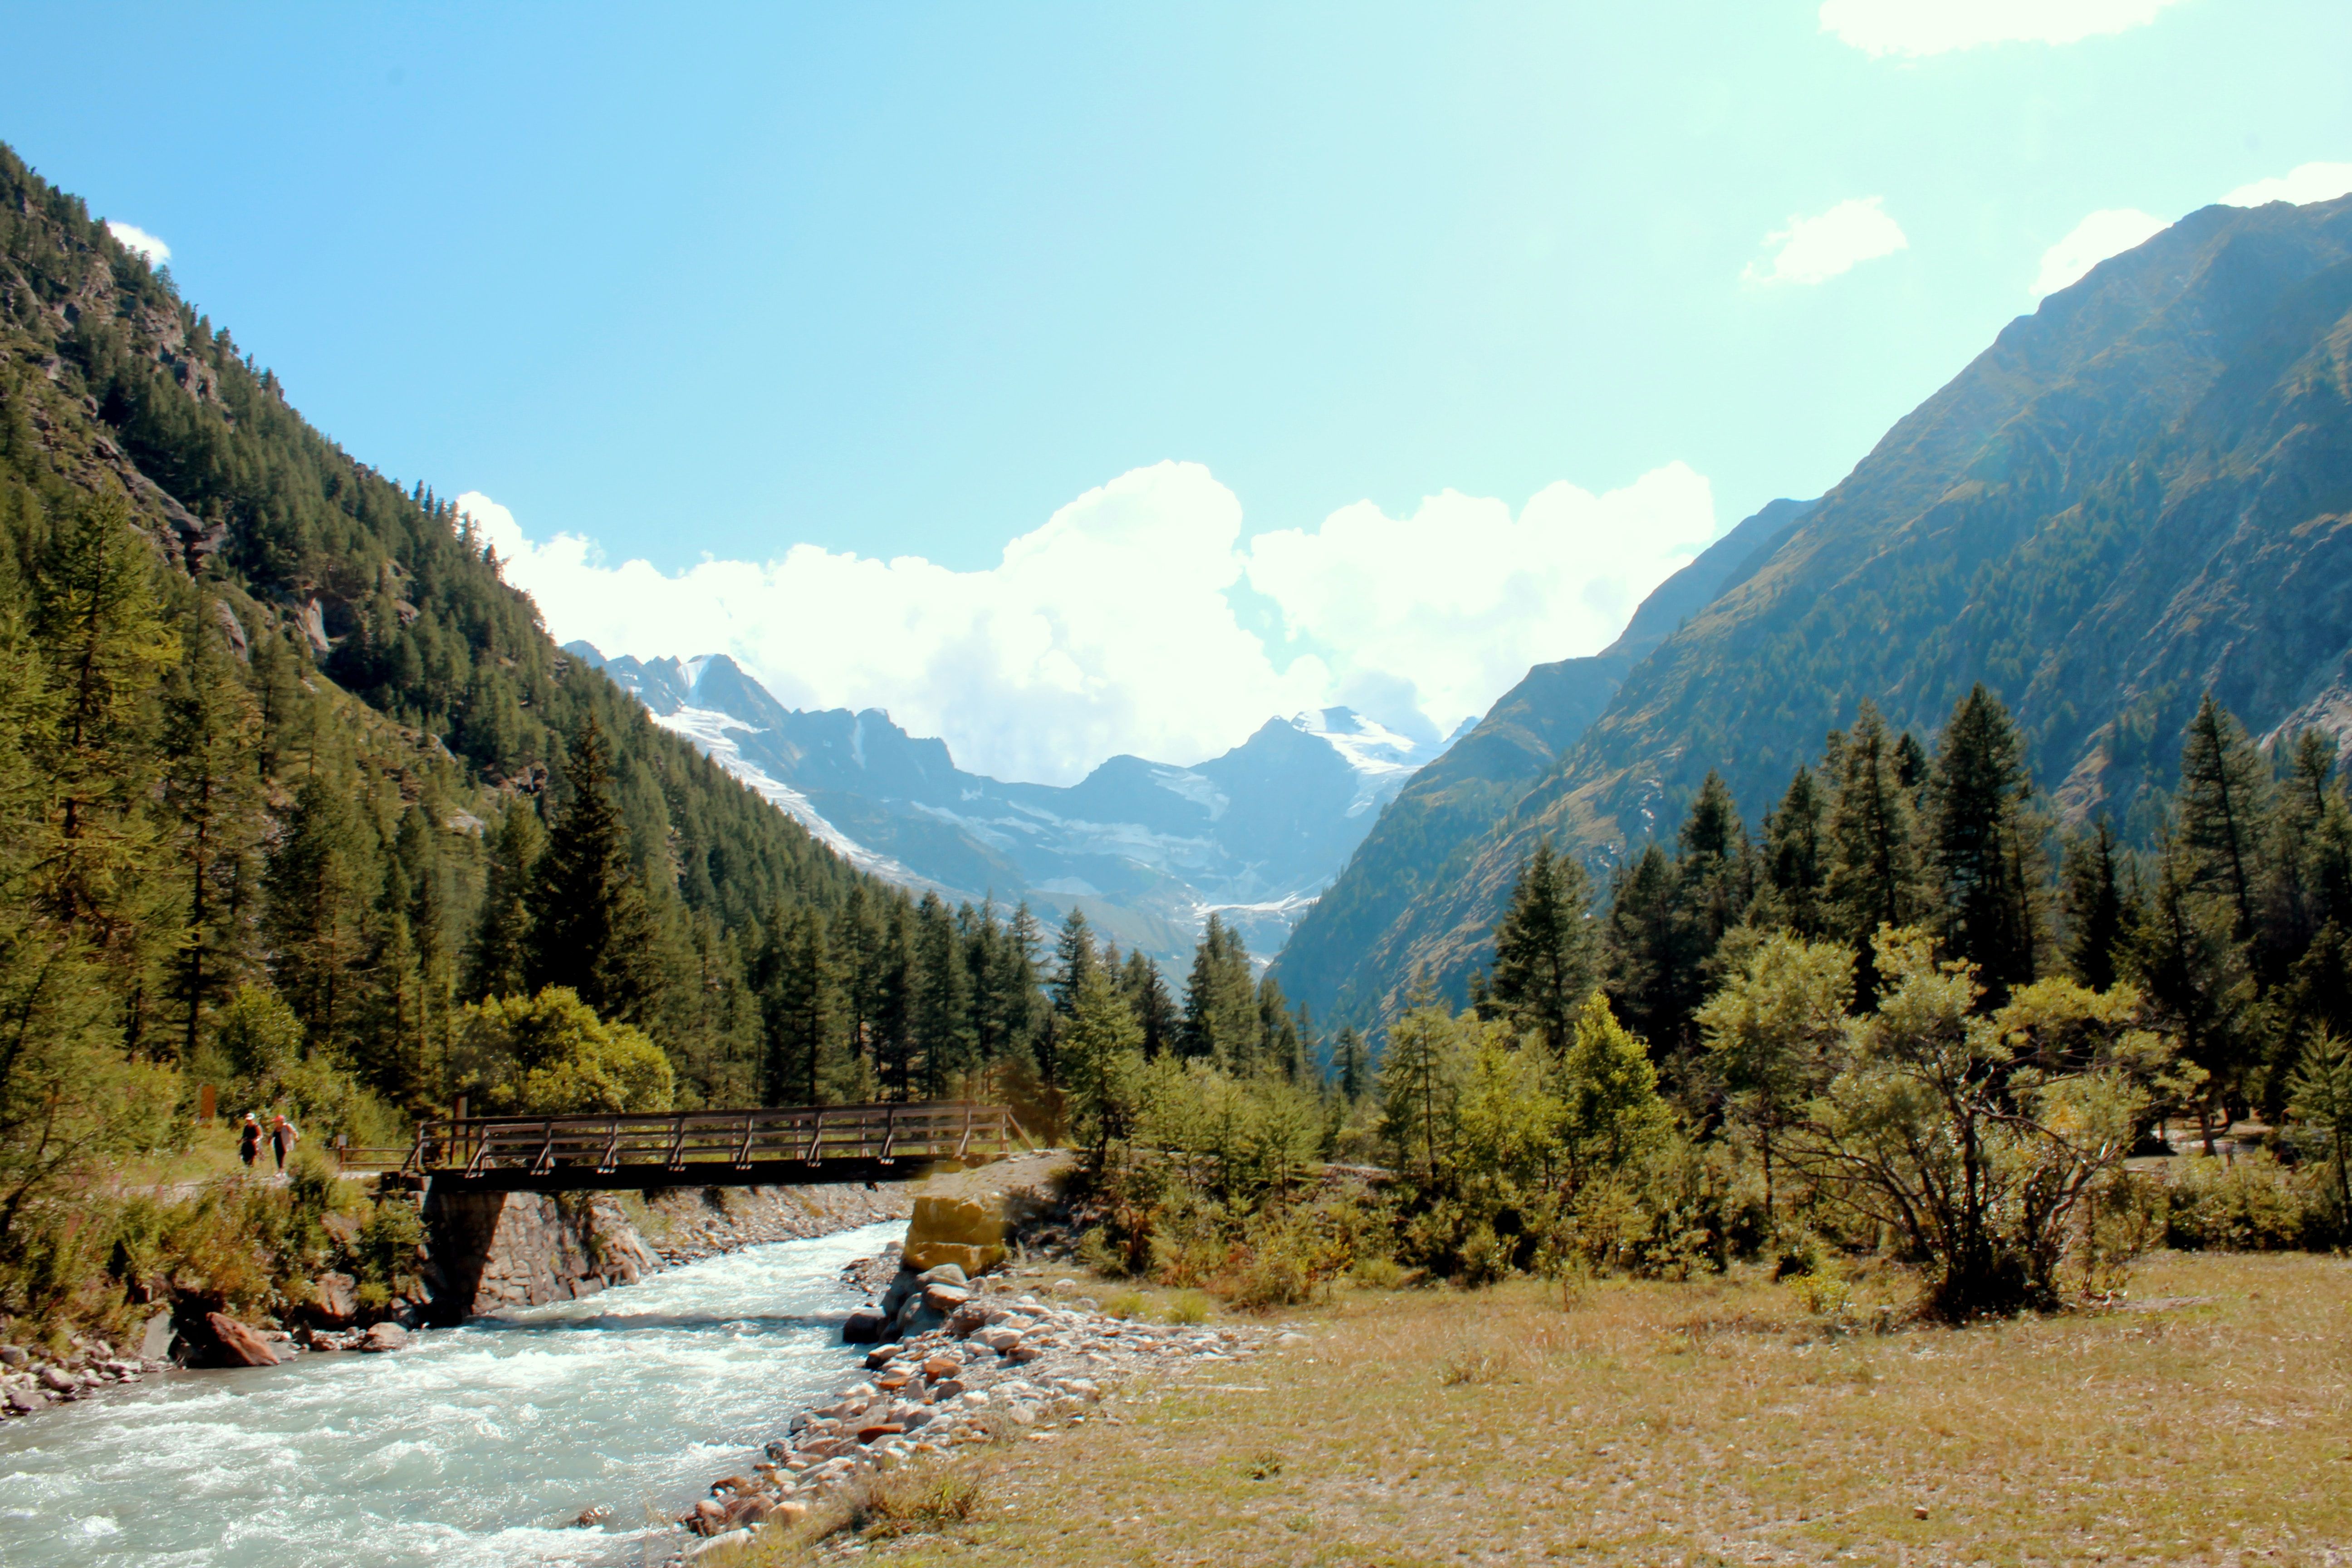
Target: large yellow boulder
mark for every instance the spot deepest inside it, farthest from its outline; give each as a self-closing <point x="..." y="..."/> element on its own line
<point x="955" y="1230"/>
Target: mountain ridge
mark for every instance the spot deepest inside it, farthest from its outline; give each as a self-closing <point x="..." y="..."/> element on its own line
<point x="2133" y="495"/>
<point x="1147" y="850"/>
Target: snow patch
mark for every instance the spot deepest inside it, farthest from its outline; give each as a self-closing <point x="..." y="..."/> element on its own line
<point x="708" y="729"/>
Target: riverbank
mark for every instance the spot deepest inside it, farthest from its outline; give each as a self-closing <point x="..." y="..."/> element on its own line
<point x="543" y="1251"/>
<point x="1720" y="1420"/>
<point x="1021" y="1355"/>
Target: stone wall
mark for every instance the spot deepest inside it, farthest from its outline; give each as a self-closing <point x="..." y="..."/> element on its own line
<point x="493" y="1252"/>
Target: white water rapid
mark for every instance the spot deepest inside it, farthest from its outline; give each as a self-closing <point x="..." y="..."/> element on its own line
<point x="473" y="1448"/>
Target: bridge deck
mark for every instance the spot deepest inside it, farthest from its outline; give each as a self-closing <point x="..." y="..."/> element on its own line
<point x="785" y="1146"/>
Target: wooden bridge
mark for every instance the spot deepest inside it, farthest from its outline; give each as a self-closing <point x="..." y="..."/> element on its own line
<point x="783" y="1146"/>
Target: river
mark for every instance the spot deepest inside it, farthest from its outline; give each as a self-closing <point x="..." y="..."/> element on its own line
<point x="473" y="1448"/>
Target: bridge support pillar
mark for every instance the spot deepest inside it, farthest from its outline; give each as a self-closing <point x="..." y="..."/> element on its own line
<point x="492" y="1252"/>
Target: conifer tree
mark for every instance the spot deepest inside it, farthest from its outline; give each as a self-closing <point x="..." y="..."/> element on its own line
<point x="1351" y="1064"/>
<point x="799" y="999"/>
<point x="2222" y="803"/>
<point x="1280" y="1049"/>
<point x="2095" y="906"/>
<point x="103" y="642"/>
<point x="1649" y="964"/>
<point x="1984" y="846"/>
<point x="1545" y="959"/>
<point x="1155" y="1010"/>
<point x="496" y="956"/>
<point x="942" y="1000"/>
<point x="1874" y="878"/>
<point x="210" y="782"/>
<point x="1796" y="861"/>
<point x="1220" y="1016"/>
<point x="1075" y="958"/>
<point x="592" y="931"/>
<point x="323" y="881"/>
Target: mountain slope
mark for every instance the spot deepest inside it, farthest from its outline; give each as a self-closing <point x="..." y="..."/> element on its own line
<point x="312" y="567"/>
<point x="1146" y="850"/>
<point x="1424" y="837"/>
<point x="2134" y="494"/>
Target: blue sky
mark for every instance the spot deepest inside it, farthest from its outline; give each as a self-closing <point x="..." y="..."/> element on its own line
<point x="911" y="281"/>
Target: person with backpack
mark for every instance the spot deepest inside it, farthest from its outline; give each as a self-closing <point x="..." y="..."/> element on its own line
<point x="248" y="1140"/>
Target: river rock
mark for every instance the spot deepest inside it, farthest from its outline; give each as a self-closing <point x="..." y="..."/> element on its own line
<point x="13" y="1355"/>
<point x="998" y="1337"/>
<point x="240" y="1345"/>
<point x="155" y="1339"/>
<point x="385" y="1337"/>
<point x="863" y="1327"/>
<point x="335" y="1299"/>
<point x="58" y="1381"/>
<point x="941" y="1366"/>
<point x="945" y="1274"/>
<point x="25" y="1401"/>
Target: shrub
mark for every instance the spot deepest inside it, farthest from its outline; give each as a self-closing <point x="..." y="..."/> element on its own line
<point x="2251" y="1204"/>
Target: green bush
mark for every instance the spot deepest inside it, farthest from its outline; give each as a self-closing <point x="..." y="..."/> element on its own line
<point x="2248" y="1203"/>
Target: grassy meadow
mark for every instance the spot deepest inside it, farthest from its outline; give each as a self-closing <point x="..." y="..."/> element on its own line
<point x="1729" y="1420"/>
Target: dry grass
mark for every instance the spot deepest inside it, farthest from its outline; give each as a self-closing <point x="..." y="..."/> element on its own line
<point x="1713" y="1423"/>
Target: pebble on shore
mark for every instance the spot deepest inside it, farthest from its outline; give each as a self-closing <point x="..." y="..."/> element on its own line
<point x="1001" y="1358"/>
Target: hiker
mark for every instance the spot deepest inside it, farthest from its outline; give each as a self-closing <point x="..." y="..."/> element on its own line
<point x="248" y="1140"/>
<point x="281" y="1138"/>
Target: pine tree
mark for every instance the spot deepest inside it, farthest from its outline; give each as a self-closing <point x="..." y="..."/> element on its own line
<point x="1545" y="959"/>
<point x="2096" y="907"/>
<point x="1984" y="846"/>
<point x="1794" y="892"/>
<point x="1649" y="966"/>
<point x="942" y="1001"/>
<point x="1351" y="1064"/>
<point x="592" y="931"/>
<point x="1155" y="1010"/>
<point x="1221" y="1019"/>
<point x="799" y="1001"/>
<point x="212" y="788"/>
<point x="1280" y="1049"/>
<point x="1075" y="958"/>
<point x="495" y="958"/>
<point x="1874" y="876"/>
<point x="103" y="643"/>
<point x="323" y="881"/>
<point x="2222" y="806"/>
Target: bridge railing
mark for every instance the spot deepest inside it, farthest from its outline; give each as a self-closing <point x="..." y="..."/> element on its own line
<point x="706" y="1143"/>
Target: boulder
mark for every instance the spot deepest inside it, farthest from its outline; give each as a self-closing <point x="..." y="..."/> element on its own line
<point x="57" y="1380"/>
<point x="13" y="1355"/>
<point x="939" y="1366"/>
<point x="240" y="1345"/>
<point x="945" y="1274"/>
<point x="863" y="1327"/>
<point x="155" y="1339"/>
<point x="334" y="1300"/>
<point x="999" y="1339"/>
<point x="944" y="1230"/>
<point x="945" y="1299"/>
<point x="385" y="1337"/>
<point x="25" y="1401"/>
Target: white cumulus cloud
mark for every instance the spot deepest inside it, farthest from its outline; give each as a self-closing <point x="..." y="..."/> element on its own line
<point x="130" y="236"/>
<point x="2303" y="184"/>
<point x="1453" y="604"/>
<point x="2110" y="231"/>
<point x="1816" y="249"/>
<point x="1110" y="629"/>
<point x="1919" y="27"/>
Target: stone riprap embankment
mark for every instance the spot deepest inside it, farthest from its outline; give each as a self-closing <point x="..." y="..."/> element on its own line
<point x="1011" y="1355"/>
<point x="30" y="1380"/>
